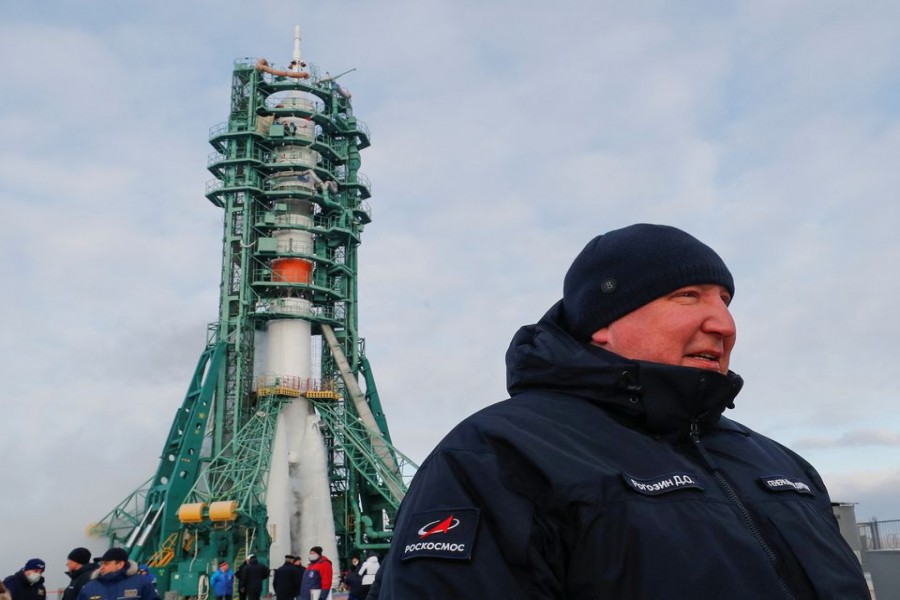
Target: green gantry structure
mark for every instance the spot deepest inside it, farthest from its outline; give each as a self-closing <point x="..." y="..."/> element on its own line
<point x="291" y="140"/>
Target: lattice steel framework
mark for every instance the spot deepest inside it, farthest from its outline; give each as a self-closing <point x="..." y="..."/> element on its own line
<point x="208" y="499"/>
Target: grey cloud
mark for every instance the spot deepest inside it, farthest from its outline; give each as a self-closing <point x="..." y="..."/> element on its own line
<point x="500" y="146"/>
<point x="852" y="438"/>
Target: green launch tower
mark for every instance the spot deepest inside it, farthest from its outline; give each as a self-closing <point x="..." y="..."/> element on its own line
<point x="281" y="429"/>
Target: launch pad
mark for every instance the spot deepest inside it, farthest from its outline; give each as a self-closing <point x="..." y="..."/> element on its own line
<point x="280" y="443"/>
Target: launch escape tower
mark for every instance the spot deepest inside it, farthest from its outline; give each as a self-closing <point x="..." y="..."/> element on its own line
<point x="280" y="443"/>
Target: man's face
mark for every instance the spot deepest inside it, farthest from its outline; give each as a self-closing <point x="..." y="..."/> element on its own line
<point x="111" y="566"/>
<point x="225" y="567"/>
<point x="690" y="327"/>
<point x="71" y="565"/>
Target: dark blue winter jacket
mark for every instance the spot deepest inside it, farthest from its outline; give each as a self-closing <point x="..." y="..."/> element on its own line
<point x="609" y="478"/>
<point x="124" y="584"/>
<point x="312" y="580"/>
<point x="21" y="589"/>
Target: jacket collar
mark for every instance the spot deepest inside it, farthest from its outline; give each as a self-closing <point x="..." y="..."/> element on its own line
<point x="666" y="400"/>
<point x="127" y="571"/>
<point x="88" y="568"/>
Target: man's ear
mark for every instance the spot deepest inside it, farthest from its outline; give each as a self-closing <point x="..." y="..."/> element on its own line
<point x="600" y="337"/>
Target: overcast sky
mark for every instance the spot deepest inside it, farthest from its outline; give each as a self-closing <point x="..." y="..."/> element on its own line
<point x="505" y="135"/>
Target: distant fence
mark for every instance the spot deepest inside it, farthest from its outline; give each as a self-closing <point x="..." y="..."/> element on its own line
<point x="880" y="535"/>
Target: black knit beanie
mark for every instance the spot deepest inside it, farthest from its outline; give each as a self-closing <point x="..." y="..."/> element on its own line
<point x="80" y="555"/>
<point x="622" y="270"/>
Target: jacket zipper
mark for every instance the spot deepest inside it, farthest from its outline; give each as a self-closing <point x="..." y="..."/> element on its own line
<point x="736" y="501"/>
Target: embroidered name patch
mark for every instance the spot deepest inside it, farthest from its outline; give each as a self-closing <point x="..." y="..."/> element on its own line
<point x="780" y="483"/>
<point x="663" y="484"/>
<point x="440" y="534"/>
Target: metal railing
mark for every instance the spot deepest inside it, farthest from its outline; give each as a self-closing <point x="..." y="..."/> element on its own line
<point x="300" y="384"/>
<point x="880" y="535"/>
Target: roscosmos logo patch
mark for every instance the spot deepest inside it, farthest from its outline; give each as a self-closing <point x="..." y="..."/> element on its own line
<point x="441" y="534"/>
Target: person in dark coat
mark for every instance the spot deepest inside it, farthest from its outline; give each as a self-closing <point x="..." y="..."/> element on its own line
<point x="80" y="568"/>
<point x="117" y="579"/>
<point x="353" y="581"/>
<point x="298" y="562"/>
<point x="239" y="575"/>
<point x="28" y="582"/>
<point x="253" y="575"/>
<point x="611" y="471"/>
<point x="287" y="578"/>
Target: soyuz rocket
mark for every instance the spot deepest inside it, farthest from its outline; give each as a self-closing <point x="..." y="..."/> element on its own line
<point x="298" y="500"/>
<point x="276" y="447"/>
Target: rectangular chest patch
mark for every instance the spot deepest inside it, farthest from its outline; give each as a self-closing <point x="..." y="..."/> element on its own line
<point x="663" y="484"/>
<point x="446" y="534"/>
<point x="780" y="483"/>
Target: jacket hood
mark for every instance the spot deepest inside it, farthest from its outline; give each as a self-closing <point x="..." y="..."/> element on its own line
<point x="666" y="399"/>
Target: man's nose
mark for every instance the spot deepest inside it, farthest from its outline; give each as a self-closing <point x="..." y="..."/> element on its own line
<point x="719" y="320"/>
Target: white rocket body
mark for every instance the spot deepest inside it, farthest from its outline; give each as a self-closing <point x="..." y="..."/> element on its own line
<point x="298" y="498"/>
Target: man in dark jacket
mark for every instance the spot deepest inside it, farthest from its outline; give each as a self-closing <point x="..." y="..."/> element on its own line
<point x="80" y="568"/>
<point x="353" y="581"/>
<point x="298" y="562"/>
<point x="239" y="575"/>
<point x="611" y="472"/>
<point x="253" y="574"/>
<point x="287" y="578"/>
<point x="28" y="582"/>
<point x="118" y="578"/>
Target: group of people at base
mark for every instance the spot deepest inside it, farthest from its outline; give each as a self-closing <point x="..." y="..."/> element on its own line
<point x="291" y="581"/>
<point x="114" y="577"/>
<point x="111" y="577"/>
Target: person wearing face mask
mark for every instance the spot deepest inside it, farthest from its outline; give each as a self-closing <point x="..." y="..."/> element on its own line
<point x="317" y="578"/>
<point x="28" y="582"/>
